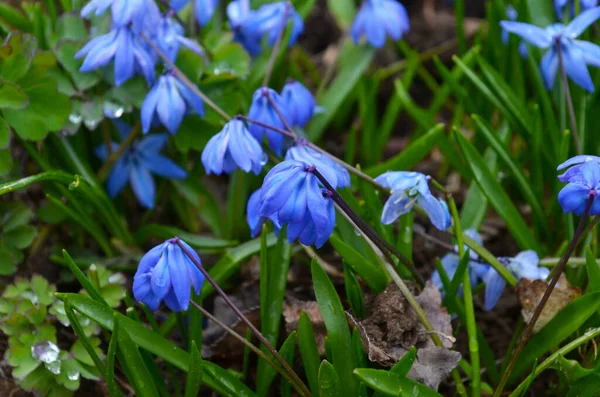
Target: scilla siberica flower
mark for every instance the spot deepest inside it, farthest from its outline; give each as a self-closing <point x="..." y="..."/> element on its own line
<point x="584" y="181"/>
<point x="576" y="54"/>
<point x="292" y="192"/>
<point x="559" y="5"/>
<point x="299" y="101"/>
<point x="136" y="165"/>
<point x="204" y="10"/>
<point x="168" y="101"/>
<point x="262" y="110"/>
<point x="125" y="48"/>
<point x="232" y="148"/>
<point x="511" y="13"/>
<point x="335" y="174"/>
<point x="408" y="189"/>
<point x="255" y="220"/>
<point x="167" y="273"/>
<point x="170" y="37"/>
<point x="124" y="12"/>
<point x="377" y="19"/>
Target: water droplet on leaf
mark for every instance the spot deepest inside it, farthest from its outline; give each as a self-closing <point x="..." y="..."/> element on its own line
<point x="46" y="352"/>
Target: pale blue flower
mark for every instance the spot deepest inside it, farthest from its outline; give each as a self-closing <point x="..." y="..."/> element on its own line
<point x="576" y="54"/>
<point x="408" y="189"/>
<point x="263" y="111"/>
<point x="170" y="37"/>
<point x="332" y="171"/>
<point x="232" y="148"/>
<point x="377" y="19"/>
<point x="123" y="12"/>
<point x="255" y="220"/>
<point x="167" y="273"/>
<point x="574" y="164"/>
<point x="583" y="184"/>
<point x="204" y="10"/>
<point x="300" y="102"/>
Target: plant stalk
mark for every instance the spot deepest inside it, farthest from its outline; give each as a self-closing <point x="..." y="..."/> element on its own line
<point x="570" y="107"/>
<point x="538" y="310"/>
<point x="276" y="46"/>
<point x="114" y="156"/>
<point x="303" y="390"/>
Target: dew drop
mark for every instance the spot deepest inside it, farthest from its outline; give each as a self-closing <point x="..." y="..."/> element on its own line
<point x="73" y="374"/>
<point x="46" y="352"/>
<point x="54" y="367"/>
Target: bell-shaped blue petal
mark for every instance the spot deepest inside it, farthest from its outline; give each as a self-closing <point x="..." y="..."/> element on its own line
<point x="494" y="286"/>
<point x="573" y="174"/>
<point x="204" y="10"/>
<point x="585" y="182"/>
<point x="170" y="37"/>
<point x="168" y="102"/>
<point x="269" y="108"/>
<point x="335" y="174"/>
<point x="253" y="217"/>
<point x="535" y="35"/>
<point x="167" y="273"/>
<point x="377" y="19"/>
<point x="232" y="148"/>
<point x="299" y="101"/>
<point x="123" y="12"/>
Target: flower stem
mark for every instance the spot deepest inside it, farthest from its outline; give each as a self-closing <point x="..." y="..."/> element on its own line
<point x="469" y="308"/>
<point x="301" y="387"/>
<point x="565" y="84"/>
<point x="538" y="310"/>
<point x="276" y="46"/>
<point x="184" y="79"/>
<point x="246" y="343"/>
<point x="114" y="156"/>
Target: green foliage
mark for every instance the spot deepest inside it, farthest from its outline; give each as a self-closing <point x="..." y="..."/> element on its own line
<point x="16" y="234"/>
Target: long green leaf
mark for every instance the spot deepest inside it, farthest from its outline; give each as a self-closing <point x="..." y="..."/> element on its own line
<point x="83" y="280"/>
<point x="203" y="243"/>
<point x="216" y="377"/>
<point x="392" y="384"/>
<point x="338" y="332"/>
<point x="140" y="377"/>
<point x="565" y="323"/>
<point x="194" y="377"/>
<point x="496" y="195"/>
<point x="113" y="389"/>
<point x="309" y="352"/>
<point x="329" y="381"/>
<point x="593" y="270"/>
<point x="343" y="11"/>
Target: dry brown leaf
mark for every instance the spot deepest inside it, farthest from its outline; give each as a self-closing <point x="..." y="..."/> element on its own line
<point x="530" y="293"/>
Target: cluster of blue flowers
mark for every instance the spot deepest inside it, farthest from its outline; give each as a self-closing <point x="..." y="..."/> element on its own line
<point x="560" y="40"/>
<point x="583" y="181"/>
<point x="524" y="265"/>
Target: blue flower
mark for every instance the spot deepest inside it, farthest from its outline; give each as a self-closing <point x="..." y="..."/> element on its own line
<point x="575" y="163"/>
<point x="576" y="54"/>
<point x="168" y="101"/>
<point x="123" y="12"/>
<point x="177" y="5"/>
<point x="136" y="165"/>
<point x="263" y="111"/>
<point x="559" y="5"/>
<point x="583" y="183"/>
<point x="232" y="148"/>
<point x="204" y="10"/>
<point x="526" y="265"/>
<point x="511" y="13"/>
<point x="128" y="52"/>
<point x="378" y="18"/>
<point x="255" y="220"/>
<point x="335" y="174"/>
<point x="250" y="26"/>
<point x="299" y="101"/>
<point x="167" y="273"/>
<point x="292" y="192"/>
<point x="408" y="189"/>
<point x="170" y="37"/>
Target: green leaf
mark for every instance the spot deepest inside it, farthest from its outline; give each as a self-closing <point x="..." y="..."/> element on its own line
<point x="5" y="161"/>
<point x="194" y="240"/>
<point x="338" y="332"/>
<point x="593" y="270"/>
<point x="139" y="376"/>
<point x="412" y="154"/>
<point x="194" y="377"/>
<point x="91" y="350"/>
<point x="541" y="12"/>
<point x="17" y="55"/>
<point x="572" y="370"/>
<point x="65" y="51"/>
<point x="392" y="384"/>
<point x="83" y="280"/>
<point x="113" y="389"/>
<point x="373" y="273"/>
<point x="20" y="237"/>
<point x="457" y="279"/>
<point x="329" y="381"/>
<point x="14" y="18"/>
<point x="354" y="292"/>
<point x="585" y="387"/>
<point x="566" y="322"/>
<point x="343" y="11"/>
<point x="404" y="365"/>
<point x="353" y="62"/>
<point x="496" y="195"/>
<point x="4" y="134"/>
<point x="230" y="59"/>
<point x="71" y="26"/>
<point x="215" y="377"/>
<point x="12" y="96"/>
<point x="309" y="352"/>
<point x="202" y="201"/>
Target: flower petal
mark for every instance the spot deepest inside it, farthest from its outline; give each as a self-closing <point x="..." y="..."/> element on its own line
<point x="494" y="286"/>
<point x="398" y="204"/>
<point x="142" y="185"/>
<point x="582" y="22"/>
<point x="533" y="34"/>
<point x="576" y="68"/>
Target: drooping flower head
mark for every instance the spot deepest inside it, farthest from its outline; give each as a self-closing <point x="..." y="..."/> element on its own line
<point x="253" y="217"/>
<point x="136" y="165"/>
<point x="292" y="192"/>
<point x="170" y="37"/>
<point x="526" y="265"/>
<point x="250" y="26"/>
<point x="232" y="148"/>
<point x="268" y="107"/>
<point x="583" y="182"/>
<point x="167" y="274"/>
<point x="299" y="101"/>
<point x="122" y="45"/>
<point x="204" y="10"/>
<point x="335" y="174"/>
<point x="124" y="12"/>
<point x="377" y="19"/>
<point x="512" y="15"/>
<point x="576" y="54"/>
<point x="559" y="6"/>
<point x="168" y="101"/>
<point x="408" y="189"/>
